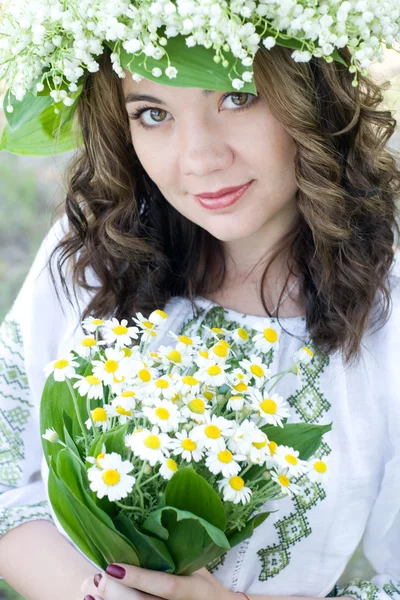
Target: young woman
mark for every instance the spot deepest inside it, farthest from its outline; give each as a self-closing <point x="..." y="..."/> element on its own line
<point x="303" y="245"/>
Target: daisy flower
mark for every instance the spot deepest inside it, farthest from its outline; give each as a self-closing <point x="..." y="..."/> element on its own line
<point x="158" y="317"/>
<point x="260" y="450"/>
<point x="119" y="333"/>
<point x="171" y="356"/>
<point x="187" y="385"/>
<point x="101" y="417"/>
<point x="111" y="368"/>
<point x="243" y="436"/>
<point x="95" y="460"/>
<point x="318" y="470"/>
<point x="240" y="336"/>
<point x="271" y="408"/>
<point x="88" y="345"/>
<point x="234" y="490"/>
<point x="168" y="468"/>
<point x="89" y="386"/>
<point x="165" y="414"/>
<point x="288" y="458"/>
<point x="224" y="462"/>
<point x="303" y="356"/>
<point x="162" y="386"/>
<point x="183" y="445"/>
<point x="267" y="338"/>
<point x="146" y="327"/>
<point x="212" y="433"/>
<point x="235" y="403"/>
<point x="62" y="369"/>
<point x="51" y="436"/>
<point x="91" y="324"/>
<point x="220" y="352"/>
<point x="185" y="343"/>
<point x="195" y="409"/>
<point x="149" y="445"/>
<point x="287" y="487"/>
<point x="124" y="407"/>
<point x="256" y="368"/>
<point x="112" y="480"/>
<point x="212" y="374"/>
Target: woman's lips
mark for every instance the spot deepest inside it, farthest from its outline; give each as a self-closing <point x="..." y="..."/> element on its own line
<point x="223" y="201"/>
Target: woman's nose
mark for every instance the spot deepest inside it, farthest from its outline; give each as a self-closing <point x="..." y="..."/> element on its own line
<point x="202" y="148"/>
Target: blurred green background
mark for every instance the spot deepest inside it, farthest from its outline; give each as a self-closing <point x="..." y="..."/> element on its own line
<point x="30" y="189"/>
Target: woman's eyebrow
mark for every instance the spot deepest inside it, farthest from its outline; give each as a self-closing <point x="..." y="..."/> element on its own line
<point x="132" y="97"/>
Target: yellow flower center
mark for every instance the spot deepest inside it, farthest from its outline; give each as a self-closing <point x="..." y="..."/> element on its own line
<point x="144" y="375"/>
<point x="220" y="350"/>
<point x="99" y="414"/>
<point x="292" y="460"/>
<point x="175" y="397"/>
<point x="260" y="445"/>
<point x="273" y="446"/>
<point x="197" y="406"/>
<point x="214" y="370"/>
<point x="236" y="483"/>
<point x="213" y="432"/>
<point x="184" y="339"/>
<point x="122" y="411"/>
<point x="162" y="383"/>
<point x="92" y="380"/>
<point x="88" y="342"/>
<point x="257" y="370"/>
<point x="120" y="330"/>
<point x="111" y="477"/>
<point x="162" y="413"/>
<point x="154" y="354"/>
<point x="189" y="444"/>
<point x="240" y="387"/>
<point x="174" y="356"/>
<point x="111" y="366"/>
<point x="235" y="398"/>
<point x="242" y="333"/>
<point x="268" y="406"/>
<point x="217" y="330"/>
<point x="225" y="456"/>
<point x="127" y="352"/>
<point x="171" y="464"/>
<point x="283" y="480"/>
<point x="208" y="395"/>
<point x="153" y="442"/>
<point x="61" y="364"/>
<point x="161" y="313"/>
<point x="128" y="394"/>
<point x="310" y="352"/>
<point x="320" y="466"/>
<point x="116" y="380"/>
<point x="101" y="455"/>
<point x="203" y="353"/>
<point x="189" y="380"/>
<point x="97" y="321"/>
<point x="270" y="335"/>
<point x="147" y="324"/>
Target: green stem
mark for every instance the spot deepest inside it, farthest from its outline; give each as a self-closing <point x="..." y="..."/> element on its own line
<point x="278" y="379"/>
<point x="78" y="414"/>
<point x="133" y="508"/>
<point x="151" y="478"/>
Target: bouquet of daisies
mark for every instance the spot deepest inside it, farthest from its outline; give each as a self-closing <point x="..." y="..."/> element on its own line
<point x="164" y="456"/>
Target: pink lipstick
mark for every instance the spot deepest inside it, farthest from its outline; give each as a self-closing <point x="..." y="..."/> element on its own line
<point x="223" y="198"/>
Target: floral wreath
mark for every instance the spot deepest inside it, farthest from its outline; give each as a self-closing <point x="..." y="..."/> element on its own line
<point x="47" y="47"/>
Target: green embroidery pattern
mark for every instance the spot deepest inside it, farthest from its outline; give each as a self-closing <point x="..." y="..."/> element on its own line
<point x="392" y="589"/>
<point x="311" y="406"/>
<point x="360" y="589"/>
<point x="15" y="402"/>
<point x="11" y="517"/>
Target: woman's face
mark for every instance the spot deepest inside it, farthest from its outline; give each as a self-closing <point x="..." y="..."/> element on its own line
<point x="191" y="141"/>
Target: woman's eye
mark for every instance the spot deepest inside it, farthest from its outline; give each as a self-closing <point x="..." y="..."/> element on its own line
<point x="240" y="101"/>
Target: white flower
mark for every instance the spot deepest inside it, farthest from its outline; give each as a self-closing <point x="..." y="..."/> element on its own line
<point x="168" y="468"/>
<point x="95" y="460"/>
<point x="260" y="451"/>
<point x="162" y="386"/>
<point x="51" y="436"/>
<point x="101" y="417"/>
<point x="213" y="432"/>
<point x="164" y="414"/>
<point x="271" y="408"/>
<point x="268" y="338"/>
<point x="303" y="356"/>
<point x="62" y="368"/>
<point x="287" y="487"/>
<point x="112" y="480"/>
<point x="149" y="445"/>
<point x="187" y="384"/>
<point x="318" y="470"/>
<point x="243" y="436"/>
<point x="111" y="368"/>
<point x="90" y="386"/>
<point x="91" y="324"/>
<point x="124" y="406"/>
<point x="256" y="368"/>
<point x="119" y="333"/>
<point x="183" y="445"/>
<point x="195" y="408"/>
<point x="235" y="403"/>
<point x="158" y="317"/>
<point x="234" y="490"/>
<point x="212" y="374"/>
<point x="224" y="462"/>
<point x="240" y="336"/>
<point x="288" y="458"/>
<point x="88" y="345"/>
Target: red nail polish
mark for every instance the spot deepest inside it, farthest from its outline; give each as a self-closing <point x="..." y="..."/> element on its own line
<point x="89" y="597"/>
<point x="97" y="579"/>
<point x="116" y="571"/>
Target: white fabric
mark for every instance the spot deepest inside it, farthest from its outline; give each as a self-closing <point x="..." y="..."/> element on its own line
<point x="358" y="505"/>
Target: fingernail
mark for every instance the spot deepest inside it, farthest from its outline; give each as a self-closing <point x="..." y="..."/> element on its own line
<point x="89" y="597"/>
<point x="97" y="579"/>
<point x="116" y="571"/>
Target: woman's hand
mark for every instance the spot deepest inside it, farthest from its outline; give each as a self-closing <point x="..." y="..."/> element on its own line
<point x="134" y="583"/>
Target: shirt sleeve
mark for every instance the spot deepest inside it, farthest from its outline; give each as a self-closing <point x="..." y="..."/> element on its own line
<point x="28" y="341"/>
<point x="381" y="539"/>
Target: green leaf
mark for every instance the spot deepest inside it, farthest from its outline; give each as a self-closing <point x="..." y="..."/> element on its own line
<point x="304" y="437"/>
<point x="188" y="491"/>
<point x="24" y="110"/>
<point x="196" y="67"/>
<point x="153" y="553"/>
<point x="190" y="539"/>
<point x="114" y="439"/>
<point x="239" y="535"/>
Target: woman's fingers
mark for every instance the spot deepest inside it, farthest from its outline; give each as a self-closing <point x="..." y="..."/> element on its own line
<point x="109" y="589"/>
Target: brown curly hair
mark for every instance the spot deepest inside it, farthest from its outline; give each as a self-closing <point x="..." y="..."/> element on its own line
<point x="143" y="252"/>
